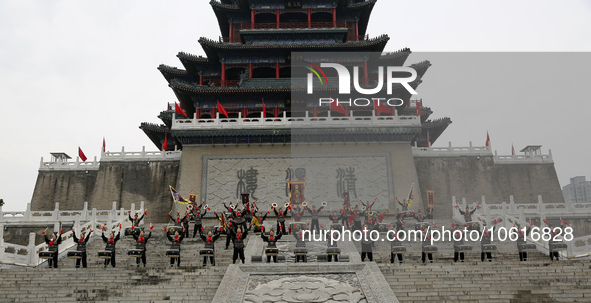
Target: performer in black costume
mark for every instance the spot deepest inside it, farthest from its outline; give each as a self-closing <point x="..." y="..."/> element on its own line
<point x="271" y="242"/>
<point x="426" y="242"/>
<point x="458" y="255"/>
<point x="81" y="247"/>
<point x="486" y="240"/>
<point x="280" y="220"/>
<point x="209" y="241"/>
<point x="198" y="217"/>
<point x="176" y="244"/>
<point x="395" y="243"/>
<point x="135" y="221"/>
<point x="239" y="237"/>
<point x="366" y="245"/>
<point x="53" y="246"/>
<point x="141" y="241"/>
<point x="111" y="243"/>
<point x="315" y="226"/>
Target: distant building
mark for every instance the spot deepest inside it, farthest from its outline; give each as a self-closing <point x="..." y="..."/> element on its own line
<point x="579" y="190"/>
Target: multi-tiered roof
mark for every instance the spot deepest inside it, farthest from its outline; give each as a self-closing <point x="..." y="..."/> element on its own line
<point x="251" y="62"/>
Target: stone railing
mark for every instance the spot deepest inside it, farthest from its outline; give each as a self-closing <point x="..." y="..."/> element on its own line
<point x="295" y="122"/>
<point x="140" y="156"/>
<point x="452" y="151"/>
<point x="84" y="220"/>
<point x="509" y="215"/>
<point x="111" y="157"/>
<point x="523" y="159"/>
<point x="69" y="165"/>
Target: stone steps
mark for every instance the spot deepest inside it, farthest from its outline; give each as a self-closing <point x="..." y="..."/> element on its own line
<point x="506" y="281"/>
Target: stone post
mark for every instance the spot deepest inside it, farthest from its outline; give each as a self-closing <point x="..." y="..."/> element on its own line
<point x="110" y="222"/>
<point x="1" y="242"/>
<point x="56" y="211"/>
<point x="512" y="208"/>
<point x="541" y="206"/>
<point x="504" y="207"/>
<point x="28" y="212"/>
<point x="93" y="219"/>
<point x="522" y="214"/>
<point x="85" y="212"/>
<point x="32" y="250"/>
<point x="77" y="224"/>
<point x="114" y="208"/>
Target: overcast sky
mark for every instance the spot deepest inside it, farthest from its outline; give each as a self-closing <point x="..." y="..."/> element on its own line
<point x="74" y="71"/>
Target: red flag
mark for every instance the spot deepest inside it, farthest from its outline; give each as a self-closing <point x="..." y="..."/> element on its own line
<point x="380" y="107"/>
<point x="222" y="110"/>
<point x="337" y="107"/>
<point x="419" y="108"/>
<point x="179" y="110"/>
<point x="264" y="110"/>
<point x="81" y="154"/>
<point x="104" y="145"/>
<point x="165" y="144"/>
<point x="428" y="143"/>
<point x="487" y="139"/>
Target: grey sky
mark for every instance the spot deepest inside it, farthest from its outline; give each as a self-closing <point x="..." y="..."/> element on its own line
<point x="75" y="71"/>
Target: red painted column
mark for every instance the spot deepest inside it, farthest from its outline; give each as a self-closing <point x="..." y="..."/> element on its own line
<point x="276" y="111"/>
<point x="309" y="18"/>
<point x="231" y="32"/>
<point x="250" y="70"/>
<point x="315" y="111"/>
<point x="356" y="30"/>
<point x="198" y="112"/>
<point x="244" y="112"/>
<point x="213" y="112"/>
<point x="334" y="17"/>
<point x="277" y="12"/>
<point x="365" y="73"/>
<point x="252" y="18"/>
<point x="277" y="70"/>
<point x="200" y="80"/>
<point x="223" y="74"/>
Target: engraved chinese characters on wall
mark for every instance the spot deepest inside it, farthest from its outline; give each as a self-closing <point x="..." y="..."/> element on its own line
<point x="326" y="178"/>
<point x="247" y="182"/>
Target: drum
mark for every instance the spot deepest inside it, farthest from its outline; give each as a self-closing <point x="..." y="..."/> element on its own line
<point x="173" y="229"/>
<point x="104" y="254"/>
<point x="489" y="248"/>
<point x="135" y="253"/>
<point x="398" y="250"/>
<point x="382" y="227"/>
<point x="300" y="251"/>
<point x="298" y="225"/>
<point x="527" y="247"/>
<point x="423" y="225"/>
<point x="206" y="252"/>
<point x="74" y="254"/>
<point x="557" y="246"/>
<point x="271" y="251"/>
<point x="430" y="249"/>
<point x="46" y="254"/>
<point x="301" y="244"/>
<point x="336" y="226"/>
<point x="128" y="233"/>
<point x="472" y="225"/>
<point x="173" y="253"/>
<point x="333" y="251"/>
<point x="463" y="248"/>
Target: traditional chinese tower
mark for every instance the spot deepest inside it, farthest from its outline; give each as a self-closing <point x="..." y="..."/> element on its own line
<point x="249" y="68"/>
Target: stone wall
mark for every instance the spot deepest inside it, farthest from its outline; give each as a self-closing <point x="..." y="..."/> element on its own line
<point x="124" y="182"/>
<point x="70" y="188"/>
<point x="382" y="170"/>
<point x="471" y="177"/>
<point x="132" y="182"/>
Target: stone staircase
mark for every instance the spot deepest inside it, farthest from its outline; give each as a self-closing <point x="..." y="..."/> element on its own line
<point x="158" y="282"/>
<point x="507" y="281"/>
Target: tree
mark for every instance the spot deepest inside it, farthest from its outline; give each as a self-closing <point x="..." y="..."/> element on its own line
<point x="1" y="202"/>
